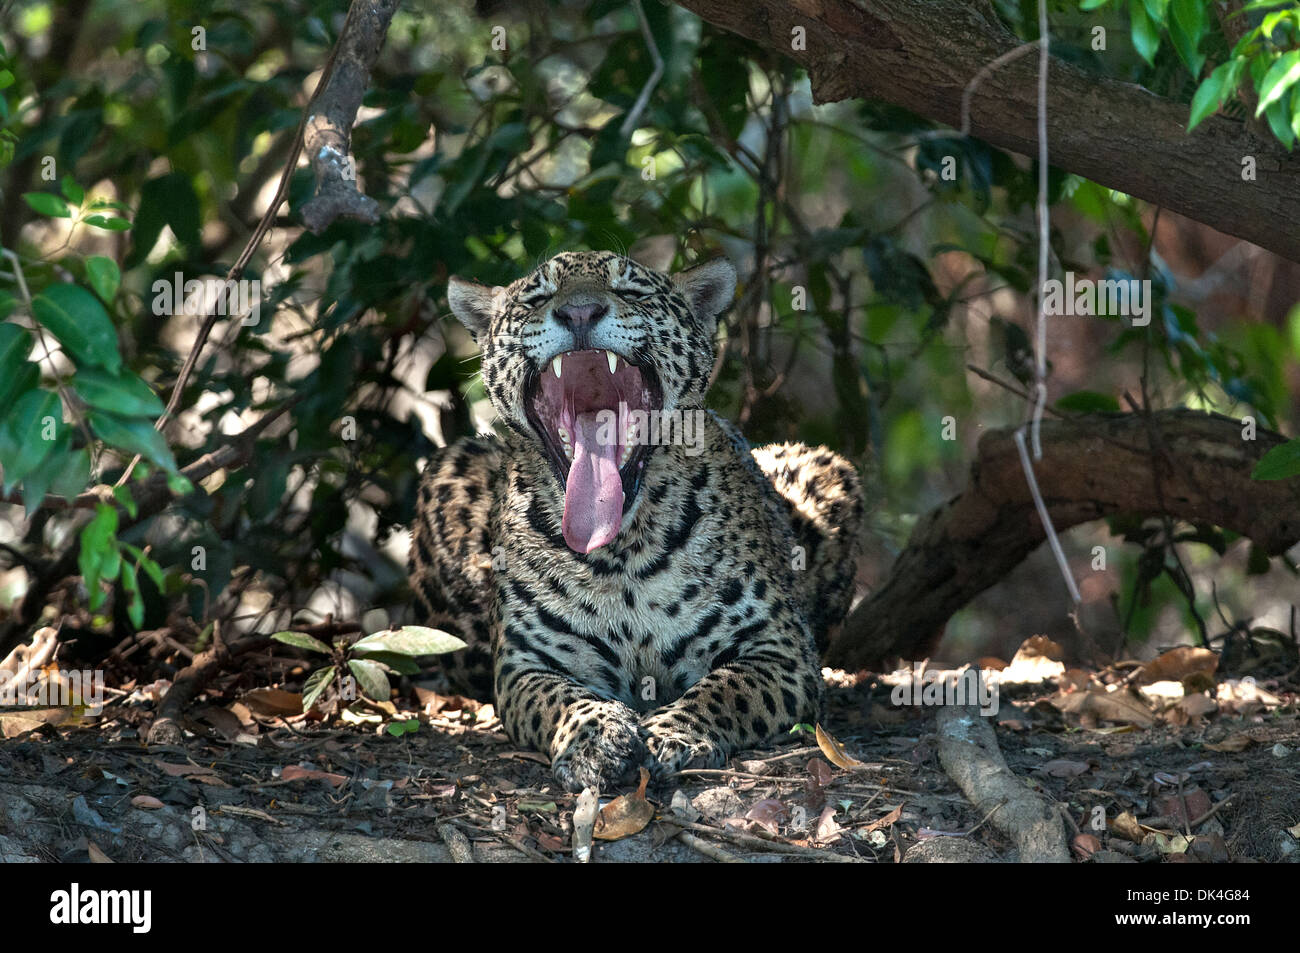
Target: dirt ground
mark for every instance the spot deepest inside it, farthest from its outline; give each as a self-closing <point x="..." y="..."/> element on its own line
<point x="1209" y="777"/>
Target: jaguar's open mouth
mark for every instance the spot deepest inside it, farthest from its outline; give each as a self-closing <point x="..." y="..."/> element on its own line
<point x="584" y="405"/>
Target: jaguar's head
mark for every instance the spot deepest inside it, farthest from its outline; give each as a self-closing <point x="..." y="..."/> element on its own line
<point x="572" y="351"/>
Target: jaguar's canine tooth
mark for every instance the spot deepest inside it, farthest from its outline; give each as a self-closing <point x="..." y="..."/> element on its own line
<point x="555" y="364"/>
<point x="612" y="358"/>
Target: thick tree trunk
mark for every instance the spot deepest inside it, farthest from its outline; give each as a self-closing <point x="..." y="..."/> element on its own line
<point x="921" y="54"/>
<point x="1092" y="467"/>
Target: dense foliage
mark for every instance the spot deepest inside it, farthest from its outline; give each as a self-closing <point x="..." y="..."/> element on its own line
<point x="142" y="140"/>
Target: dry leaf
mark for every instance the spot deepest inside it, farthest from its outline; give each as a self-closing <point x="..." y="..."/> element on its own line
<point x="273" y="702"/>
<point x="1164" y="690"/>
<point x="146" y="802"/>
<point x="1127" y="827"/>
<point x="1039" y="646"/>
<point x="97" y="856"/>
<point x="1100" y="705"/>
<point x="1232" y="744"/>
<point x="820" y="772"/>
<point x="293" y="772"/>
<point x="1033" y="663"/>
<point x="889" y="820"/>
<point x="226" y="723"/>
<point x="827" y="829"/>
<point x="1191" y="806"/>
<point x="1179" y="664"/>
<point x="1075" y="680"/>
<point x="550" y="842"/>
<point x="1064" y="768"/>
<point x="1085" y="845"/>
<point x="768" y="814"/>
<point x="835" y="752"/>
<point x="626" y="815"/>
<point x="15" y="723"/>
<point x="1198" y="705"/>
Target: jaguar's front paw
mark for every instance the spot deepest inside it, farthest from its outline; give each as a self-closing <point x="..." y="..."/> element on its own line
<point x="605" y="752"/>
<point x="674" y="748"/>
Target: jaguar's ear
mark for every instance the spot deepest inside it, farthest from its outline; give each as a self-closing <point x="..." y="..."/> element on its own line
<point x="473" y="304"/>
<point x="708" y="287"/>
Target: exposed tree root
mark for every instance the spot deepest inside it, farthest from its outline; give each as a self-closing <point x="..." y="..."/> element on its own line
<point x="968" y="751"/>
<point x="1190" y="465"/>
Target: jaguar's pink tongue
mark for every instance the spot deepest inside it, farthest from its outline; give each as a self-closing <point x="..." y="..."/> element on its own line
<point x="593" y="493"/>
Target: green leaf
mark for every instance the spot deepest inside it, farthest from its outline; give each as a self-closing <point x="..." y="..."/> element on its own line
<point x="123" y="393"/>
<point x="167" y="200"/>
<point x="1157" y="10"/>
<point x="1211" y="94"/>
<point x="316" y="684"/>
<point x="124" y="496"/>
<point x="47" y="204"/>
<point x="23" y="381"/>
<point x="1279" y="120"/>
<point x="1185" y="30"/>
<point x="17" y="374"/>
<point x="97" y="538"/>
<point x="1093" y="4"/>
<point x="72" y="191"/>
<point x="1280" y="77"/>
<point x="1146" y="39"/>
<point x="1088" y="402"/>
<point x="131" y="588"/>
<point x="75" y="316"/>
<point x="1190" y="16"/>
<point x="133" y="434"/>
<point x="401" y="664"/>
<point x="7" y="303"/>
<point x="6" y="79"/>
<point x="371" y="679"/>
<point x="412" y="640"/>
<point x="103" y="221"/>
<point x="15" y="345"/>
<point x="104" y="276"/>
<point x="301" y="640"/>
<point x="151" y="568"/>
<point x="23" y="443"/>
<point x="72" y="475"/>
<point x="36" y="482"/>
<point x="1280" y="463"/>
<point x="398" y="728"/>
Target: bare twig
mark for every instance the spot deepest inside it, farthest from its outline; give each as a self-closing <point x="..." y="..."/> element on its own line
<point x="638" y="107"/>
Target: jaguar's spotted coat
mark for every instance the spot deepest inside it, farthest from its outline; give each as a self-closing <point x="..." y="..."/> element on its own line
<point x="627" y="605"/>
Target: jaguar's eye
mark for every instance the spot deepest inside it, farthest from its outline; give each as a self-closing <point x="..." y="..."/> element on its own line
<point x="634" y="294"/>
<point x="534" y="299"/>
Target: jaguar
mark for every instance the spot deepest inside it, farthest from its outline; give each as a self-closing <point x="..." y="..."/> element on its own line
<point x="636" y="586"/>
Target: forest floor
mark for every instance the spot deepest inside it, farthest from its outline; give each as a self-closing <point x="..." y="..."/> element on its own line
<point x="1156" y="774"/>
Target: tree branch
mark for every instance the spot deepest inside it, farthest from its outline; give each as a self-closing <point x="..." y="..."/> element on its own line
<point x="328" y="136"/>
<point x="1191" y="465"/>
<point x="921" y="55"/>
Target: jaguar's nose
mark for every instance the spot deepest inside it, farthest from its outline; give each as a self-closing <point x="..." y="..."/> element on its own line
<point x="578" y="316"/>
